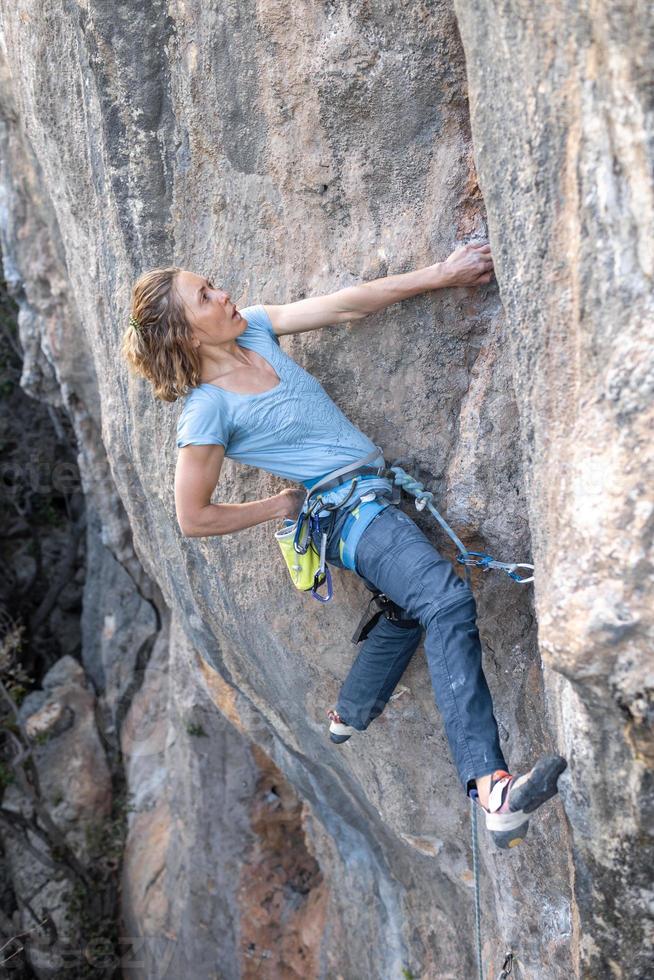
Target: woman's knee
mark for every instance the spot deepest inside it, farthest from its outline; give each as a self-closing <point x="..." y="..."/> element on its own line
<point x="456" y="603"/>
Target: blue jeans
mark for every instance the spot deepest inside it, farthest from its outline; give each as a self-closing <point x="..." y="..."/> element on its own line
<point x="395" y="557"/>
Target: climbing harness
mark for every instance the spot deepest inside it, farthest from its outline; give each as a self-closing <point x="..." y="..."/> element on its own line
<point x="355" y="524"/>
<point x="385" y="607"/>
<point x="333" y="479"/>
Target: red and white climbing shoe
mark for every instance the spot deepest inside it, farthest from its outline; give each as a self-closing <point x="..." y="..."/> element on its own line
<point x="513" y="798"/>
<point x="338" y="730"/>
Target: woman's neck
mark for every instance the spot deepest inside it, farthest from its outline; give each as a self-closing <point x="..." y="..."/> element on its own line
<point x="222" y="361"/>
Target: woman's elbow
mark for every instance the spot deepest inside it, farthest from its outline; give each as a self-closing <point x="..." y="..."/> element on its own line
<point x="187" y="525"/>
<point x="200" y="525"/>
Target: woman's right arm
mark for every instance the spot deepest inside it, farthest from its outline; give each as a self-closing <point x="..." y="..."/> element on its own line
<point x="196" y="477"/>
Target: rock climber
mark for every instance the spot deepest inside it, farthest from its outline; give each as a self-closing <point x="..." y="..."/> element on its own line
<point x="244" y="397"/>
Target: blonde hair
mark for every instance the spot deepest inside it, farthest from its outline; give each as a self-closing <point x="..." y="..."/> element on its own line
<point x="157" y="342"/>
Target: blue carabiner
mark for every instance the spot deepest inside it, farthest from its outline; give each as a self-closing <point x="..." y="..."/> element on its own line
<point x="301" y="549"/>
<point x="476" y="558"/>
<point x="326" y="577"/>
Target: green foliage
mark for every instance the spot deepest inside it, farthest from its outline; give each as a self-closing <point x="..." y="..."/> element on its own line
<point x="93" y="909"/>
<point x="6" y="776"/>
<point x="48" y="514"/>
<point x="193" y="728"/>
<point x="18" y="692"/>
<point x="13" y="675"/>
<point x="105" y="838"/>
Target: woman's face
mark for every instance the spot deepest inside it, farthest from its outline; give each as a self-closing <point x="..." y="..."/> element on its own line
<point x="210" y="311"/>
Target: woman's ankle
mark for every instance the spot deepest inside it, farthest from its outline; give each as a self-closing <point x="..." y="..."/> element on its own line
<point x="483" y="789"/>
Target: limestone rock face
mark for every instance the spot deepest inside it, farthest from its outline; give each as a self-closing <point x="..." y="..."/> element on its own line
<point x="565" y="165"/>
<point x="290" y="149"/>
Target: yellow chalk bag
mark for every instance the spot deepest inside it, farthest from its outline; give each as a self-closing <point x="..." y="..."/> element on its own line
<point x="302" y="568"/>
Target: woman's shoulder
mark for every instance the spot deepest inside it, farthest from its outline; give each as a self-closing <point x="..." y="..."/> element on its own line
<point x="205" y="417"/>
<point x="203" y="398"/>
<point x="258" y="323"/>
<point x="202" y="394"/>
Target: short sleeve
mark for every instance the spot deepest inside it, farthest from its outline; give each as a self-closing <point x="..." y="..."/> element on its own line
<point x="258" y="323"/>
<point x="202" y="422"/>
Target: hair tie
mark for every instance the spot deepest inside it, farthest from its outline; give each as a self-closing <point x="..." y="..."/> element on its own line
<point x="135" y="323"/>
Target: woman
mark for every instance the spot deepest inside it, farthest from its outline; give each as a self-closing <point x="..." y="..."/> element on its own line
<point x="247" y="399"/>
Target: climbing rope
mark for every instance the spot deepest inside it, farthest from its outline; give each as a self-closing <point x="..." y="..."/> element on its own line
<point x="507" y="965"/>
<point x="475" y="868"/>
<point x="475" y="558"/>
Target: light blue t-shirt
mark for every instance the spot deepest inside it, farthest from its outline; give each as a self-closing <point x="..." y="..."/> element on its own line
<point x="294" y="430"/>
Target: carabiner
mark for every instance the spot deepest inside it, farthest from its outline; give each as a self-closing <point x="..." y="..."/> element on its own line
<point x="314" y="506"/>
<point x="300" y="548"/>
<point x="516" y="578"/>
<point x="319" y="579"/>
<point x="476" y="558"/>
<point x="305" y="518"/>
<point x="323" y="574"/>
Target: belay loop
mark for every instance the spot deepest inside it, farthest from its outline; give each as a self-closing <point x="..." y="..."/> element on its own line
<point x="475" y="558"/>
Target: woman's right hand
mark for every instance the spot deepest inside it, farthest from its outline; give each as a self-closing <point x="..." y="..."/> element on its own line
<point x="291" y="501"/>
<point x="469" y="265"/>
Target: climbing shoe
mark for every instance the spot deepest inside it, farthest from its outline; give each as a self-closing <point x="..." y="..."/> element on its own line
<point x="338" y="730"/>
<point x="512" y="798"/>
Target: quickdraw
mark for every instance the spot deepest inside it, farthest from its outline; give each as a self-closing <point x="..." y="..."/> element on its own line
<point x="475" y="558"/>
<point x="479" y="560"/>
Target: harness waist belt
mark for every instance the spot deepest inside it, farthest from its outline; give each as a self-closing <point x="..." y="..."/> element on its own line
<point x="365" y="461"/>
<point x="344" y="481"/>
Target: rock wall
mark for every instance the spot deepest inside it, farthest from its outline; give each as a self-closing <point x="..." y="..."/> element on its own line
<point x="290" y="149"/>
<point x="565" y="165"/>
